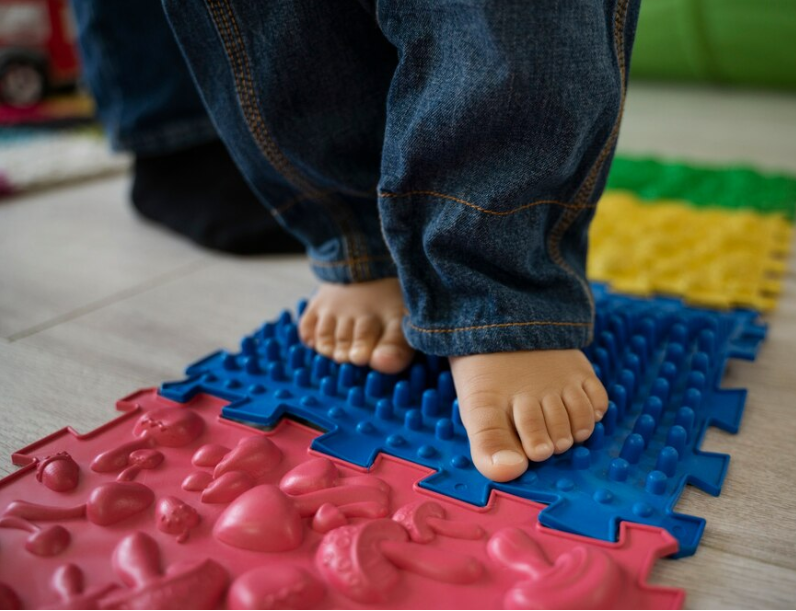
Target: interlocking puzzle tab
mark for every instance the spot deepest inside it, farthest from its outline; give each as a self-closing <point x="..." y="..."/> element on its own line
<point x="170" y="506"/>
<point x="710" y="256"/>
<point x="661" y="362"/>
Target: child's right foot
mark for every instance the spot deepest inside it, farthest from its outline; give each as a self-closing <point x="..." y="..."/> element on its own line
<point x="358" y="323"/>
<point x="525" y="405"/>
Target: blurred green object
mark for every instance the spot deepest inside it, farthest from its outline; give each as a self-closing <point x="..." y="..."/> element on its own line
<point x="751" y="42"/>
<point x="727" y="187"/>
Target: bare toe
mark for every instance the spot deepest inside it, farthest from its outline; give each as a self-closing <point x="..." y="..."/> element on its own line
<point x="557" y="421"/>
<point x="392" y="354"/>
<point x="595" y="390"/>
<point x="367" y="331"/>
<point x="324" y="335"/>
<point x="307" y="327"/>
<point x="494" y="446"/>
<point x="530" y="423"/>
<point x="581" y="414"/>
<point x="343" y="335"/>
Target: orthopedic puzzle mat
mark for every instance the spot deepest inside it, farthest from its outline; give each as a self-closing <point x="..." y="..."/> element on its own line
<point x="662" y="364"/>
<point x="713" y="257"/>
<point x="170" y="506"/>
<point x="736" y="188"/>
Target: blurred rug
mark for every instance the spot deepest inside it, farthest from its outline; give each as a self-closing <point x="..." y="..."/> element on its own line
<point x="41" y="157"/>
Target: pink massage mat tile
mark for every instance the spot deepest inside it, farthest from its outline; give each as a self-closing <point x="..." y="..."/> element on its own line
<point x="171" y="506"/>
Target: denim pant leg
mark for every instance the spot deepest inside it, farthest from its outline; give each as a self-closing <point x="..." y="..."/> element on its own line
<point x="501" y="124"/>
<point x="297" y="90"/>
<point x="144" y="92"/>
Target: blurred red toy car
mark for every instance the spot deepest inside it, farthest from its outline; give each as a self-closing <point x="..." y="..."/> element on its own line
<point x="37" y="50"/>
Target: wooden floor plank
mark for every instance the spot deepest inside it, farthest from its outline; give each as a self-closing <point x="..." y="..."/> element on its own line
<point x="64" y="250"/>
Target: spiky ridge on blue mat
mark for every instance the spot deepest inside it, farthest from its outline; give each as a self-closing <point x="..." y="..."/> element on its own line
<point x="662" y="364"/>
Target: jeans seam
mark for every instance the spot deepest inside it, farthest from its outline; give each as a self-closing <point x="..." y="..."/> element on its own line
<point x="247" y="97"/>
<point x="535" y="323"/>
<point x="587" y="188"/>
<point x="388" y="195"/>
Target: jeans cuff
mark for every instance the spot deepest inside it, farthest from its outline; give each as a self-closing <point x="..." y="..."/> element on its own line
<point x="176" y="136"/>
<point x="363" y="269"/>
<point x="498" y="337"/>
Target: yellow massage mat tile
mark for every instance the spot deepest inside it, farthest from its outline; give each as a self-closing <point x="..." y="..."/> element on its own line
<point x="712" y="257"/>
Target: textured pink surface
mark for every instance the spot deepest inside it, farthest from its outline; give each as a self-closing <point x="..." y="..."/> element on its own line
<point x="169" y="505"/>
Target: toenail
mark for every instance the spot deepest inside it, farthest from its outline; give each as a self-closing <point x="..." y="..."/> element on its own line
<point x="544" y="448"/>
<point x="563" y="444"/>
<point x="582" y="434"/>
<point x="507" y="458"/>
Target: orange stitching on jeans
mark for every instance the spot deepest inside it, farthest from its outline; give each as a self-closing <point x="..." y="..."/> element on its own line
<point x="233" y="45"/>
<point x="587" y="188"/>
<point x="248" y="99"/>
<point x="386" y="195"/>
<point x="554" y="248"/>
<point x="533" y="323"/>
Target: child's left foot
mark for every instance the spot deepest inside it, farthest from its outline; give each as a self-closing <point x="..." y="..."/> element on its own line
<point x="521" y="405"/>
<point x="358" y="323"/>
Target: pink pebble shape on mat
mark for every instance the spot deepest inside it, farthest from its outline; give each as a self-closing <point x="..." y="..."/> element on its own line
<point x="366" y="480"/>
<point x="261" y="520"/>
<point x="116" y="501"/>
<point x="228" y="487"/>
<point x="170" y="427"/>
<point x="175" y="517"/>
<point x="69" y="584"/>
<point x="209" y="455"/>
<point x="49" y="541"/>
<point x="365" y="509"/>
<point x="584" y="578"/>
<point x="118" y="458"/>
<point x="58" y="472"/>
<point x="254" y="455"/>
<point x="276" y="587"/>
<point x="197" y="481"/>
<point x="138" y="460"/>
<point x="43" y="541"/>
<point x="328" y="517"/>
<point x="424" y="519"/>
<point x="351" y="560"/>
<point x="315" y="474"/>
<point x="435" y="564"/>
<point x="136" y="560"/>
<point x="33" y="511"/>
<point x="307" y="504"/>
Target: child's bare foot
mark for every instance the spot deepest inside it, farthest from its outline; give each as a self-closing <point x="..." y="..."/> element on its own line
<point x="521" y="405"/>
<point x="358" y="323"/>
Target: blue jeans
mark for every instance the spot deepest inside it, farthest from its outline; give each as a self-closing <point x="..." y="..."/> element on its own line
<point x="143" y="89"/>
<point x="460" y="144"/>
